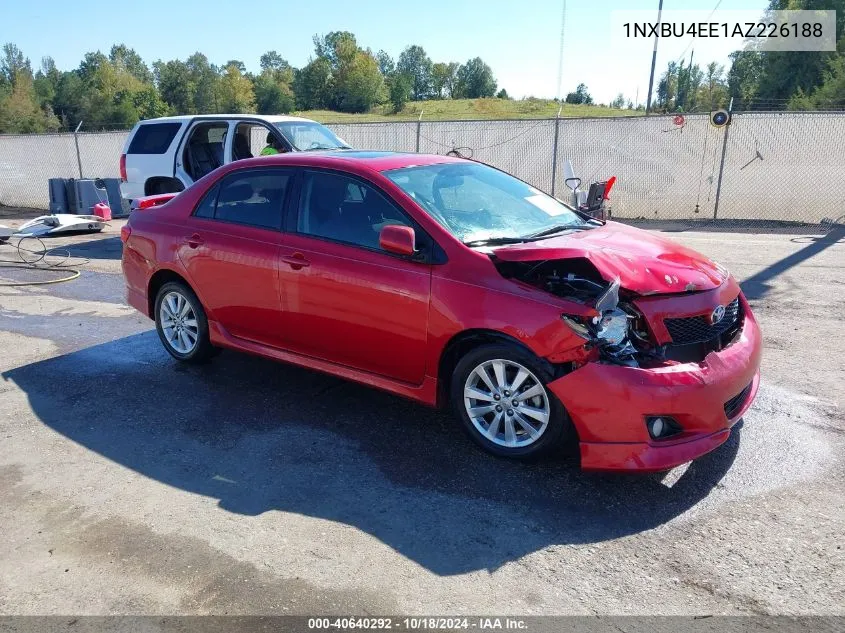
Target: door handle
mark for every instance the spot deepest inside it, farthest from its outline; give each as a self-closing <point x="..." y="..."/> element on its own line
<point x="296" y="261"/>
<point x="195" y="241"/>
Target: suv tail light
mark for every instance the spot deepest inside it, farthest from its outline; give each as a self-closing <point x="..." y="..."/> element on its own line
<point x="123" y="167"/>
<point x="125" y="232"/>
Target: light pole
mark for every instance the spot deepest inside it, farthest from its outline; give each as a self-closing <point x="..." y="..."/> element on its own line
<point x="653" y="61"/>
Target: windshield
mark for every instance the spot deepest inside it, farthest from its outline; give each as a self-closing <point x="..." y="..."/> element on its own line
<point x="475" y="202"/>
<point x="307" y="135"/>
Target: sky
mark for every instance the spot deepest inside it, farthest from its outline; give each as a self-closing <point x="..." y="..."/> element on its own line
<point x="520" y="40"/>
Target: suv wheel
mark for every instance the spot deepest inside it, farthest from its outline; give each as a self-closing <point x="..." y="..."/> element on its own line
<point x="181" y="323"/>
<point x="499" y="394"/>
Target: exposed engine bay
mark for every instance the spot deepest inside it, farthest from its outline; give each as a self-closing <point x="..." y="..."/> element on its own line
<point x="619" y="331"/>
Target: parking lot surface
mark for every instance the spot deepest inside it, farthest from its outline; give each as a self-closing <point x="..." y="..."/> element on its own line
<point x="130" y="484"/>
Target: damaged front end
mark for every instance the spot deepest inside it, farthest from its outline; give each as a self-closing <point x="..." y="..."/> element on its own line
<point x="616" y="329"/>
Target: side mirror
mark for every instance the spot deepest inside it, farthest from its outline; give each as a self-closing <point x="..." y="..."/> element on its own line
<point x="398" y="239"/>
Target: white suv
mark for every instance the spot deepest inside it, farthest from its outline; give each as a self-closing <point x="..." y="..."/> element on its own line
<point x="166" y="155"/>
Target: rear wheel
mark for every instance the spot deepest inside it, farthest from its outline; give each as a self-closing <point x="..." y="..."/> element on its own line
<point x="499" y="394"/>
<point x="181" y="323"/>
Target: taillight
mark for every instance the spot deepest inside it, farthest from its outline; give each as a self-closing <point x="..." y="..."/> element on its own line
<point x="123" y="167"/>
<point x="125" y="232"/>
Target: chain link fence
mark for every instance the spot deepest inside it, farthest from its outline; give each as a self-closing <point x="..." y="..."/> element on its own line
<point x="776" y="168"/>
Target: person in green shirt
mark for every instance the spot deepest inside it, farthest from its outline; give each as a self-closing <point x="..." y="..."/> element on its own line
<point x="273" y="146"/>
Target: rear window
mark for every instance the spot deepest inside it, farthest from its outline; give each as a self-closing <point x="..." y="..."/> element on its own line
<point x="153" y="138"/>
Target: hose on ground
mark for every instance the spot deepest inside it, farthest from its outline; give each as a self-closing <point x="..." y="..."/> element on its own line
<point x="39" y="257"/>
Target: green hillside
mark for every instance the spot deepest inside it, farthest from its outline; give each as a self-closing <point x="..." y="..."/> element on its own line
<point x="448" y="109"/>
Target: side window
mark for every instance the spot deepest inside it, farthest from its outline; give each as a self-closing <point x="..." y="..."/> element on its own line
<point x="153" y="138"/>
<point x="253" y="139"/>
<point x="345" y="210"/>
<point x="253" y="197"/>
<point x="205" y="209"/>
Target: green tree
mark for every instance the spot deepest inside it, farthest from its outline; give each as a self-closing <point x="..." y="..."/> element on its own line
<point x="70" y="92"/>
<point x="713" y="93"/>
<point x="400" y="91"/>
<point x="618" y="102"/>
<point x="205" y="79"/>
<point x="273" y="96"/>
<point x="580" y="96"/>
<point x="667" y="88"/>
<point x="19" y="111"/>
<point x="413" y="62"/>
<point x="335" y="46"/>
<point x="439" y="79"/>
<point x="766" y="79"/>
<point x="90" y="64"/>
<point x="359" y="83"/>
<point x="475" y="79"/>
<point x="313" y="85"/>
<point x="386" y="65"/>
<point x="46" y="81"/>
<point x="13" y="64"/>
<point x="236" y="93"/>
<point x="175" y="85"/>
<point x="451" y="79"/>
<point x="149" y="104"/>
<point x="127" y="59"/>
<point x="272" y="61"/>
<point x="502" y="94"/>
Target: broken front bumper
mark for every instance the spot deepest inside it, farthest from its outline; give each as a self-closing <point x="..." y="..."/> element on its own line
<point x="608" y="405"/>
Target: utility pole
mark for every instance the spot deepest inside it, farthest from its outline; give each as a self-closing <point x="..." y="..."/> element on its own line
<point x="653" y="62"/>
<point x="560" y="56"/>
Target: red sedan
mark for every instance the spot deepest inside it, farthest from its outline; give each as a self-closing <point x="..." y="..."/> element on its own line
<point x="453" y="283"/>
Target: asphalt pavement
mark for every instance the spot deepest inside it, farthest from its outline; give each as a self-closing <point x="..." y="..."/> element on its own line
<point x="130" y="484"/>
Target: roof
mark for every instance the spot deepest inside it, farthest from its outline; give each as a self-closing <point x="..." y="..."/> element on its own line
<point x="268" y="118"/>
<point x="374" y="160"/>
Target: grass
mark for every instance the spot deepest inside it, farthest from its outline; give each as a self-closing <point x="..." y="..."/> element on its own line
<point x="459" y="109"/>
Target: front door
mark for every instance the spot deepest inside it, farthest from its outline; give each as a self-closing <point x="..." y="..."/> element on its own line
<point x="231" y="249"/>
<point x="343" y="298"/>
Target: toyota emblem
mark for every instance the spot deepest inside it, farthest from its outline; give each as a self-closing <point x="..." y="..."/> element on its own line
<point x="717" y="315"/>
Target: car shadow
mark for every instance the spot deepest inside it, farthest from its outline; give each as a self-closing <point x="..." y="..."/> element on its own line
<point x="260" y="436"/>
<point x="758" y="285"/>
<point x="97" y="248"/>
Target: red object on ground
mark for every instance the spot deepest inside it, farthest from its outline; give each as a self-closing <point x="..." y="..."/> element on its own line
<point x="402" y="320"/>
<point x="102" y="210"/>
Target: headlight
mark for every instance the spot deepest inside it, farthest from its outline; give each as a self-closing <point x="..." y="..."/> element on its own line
<point x="613" y="327"/>
<point x="577" y="325"/>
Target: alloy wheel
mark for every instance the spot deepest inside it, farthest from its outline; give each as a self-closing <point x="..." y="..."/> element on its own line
<point x="178" y="322"/>
<point x="506" y="403"/>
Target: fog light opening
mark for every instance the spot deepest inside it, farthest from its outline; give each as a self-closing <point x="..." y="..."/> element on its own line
<point x="661" y="426"/>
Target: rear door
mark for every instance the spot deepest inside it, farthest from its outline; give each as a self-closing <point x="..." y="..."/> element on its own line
<point x="344" y="299"/>
<point x="231" y="247"/>
<point x="201" y="150"/>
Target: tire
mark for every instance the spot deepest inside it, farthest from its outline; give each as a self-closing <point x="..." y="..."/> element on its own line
<point x="531" y="375"/>
<point x="186" y="336"/>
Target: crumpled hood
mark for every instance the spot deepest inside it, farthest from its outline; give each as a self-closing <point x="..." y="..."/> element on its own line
<point x="644" y="262"/>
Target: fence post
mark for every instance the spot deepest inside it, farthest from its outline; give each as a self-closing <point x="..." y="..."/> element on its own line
<point x="722" y="164"/>
<point x="419" y="124"/>
<point x="554" y="154"/>
<point x="76" y="142"/>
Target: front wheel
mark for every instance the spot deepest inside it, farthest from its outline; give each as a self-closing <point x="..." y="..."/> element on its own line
<point x="499" y="394"/>
<point x="181" y="323"/>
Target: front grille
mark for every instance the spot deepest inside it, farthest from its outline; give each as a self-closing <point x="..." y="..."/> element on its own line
<point x="733" y="405"/>
<point x="697" y="329"/>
